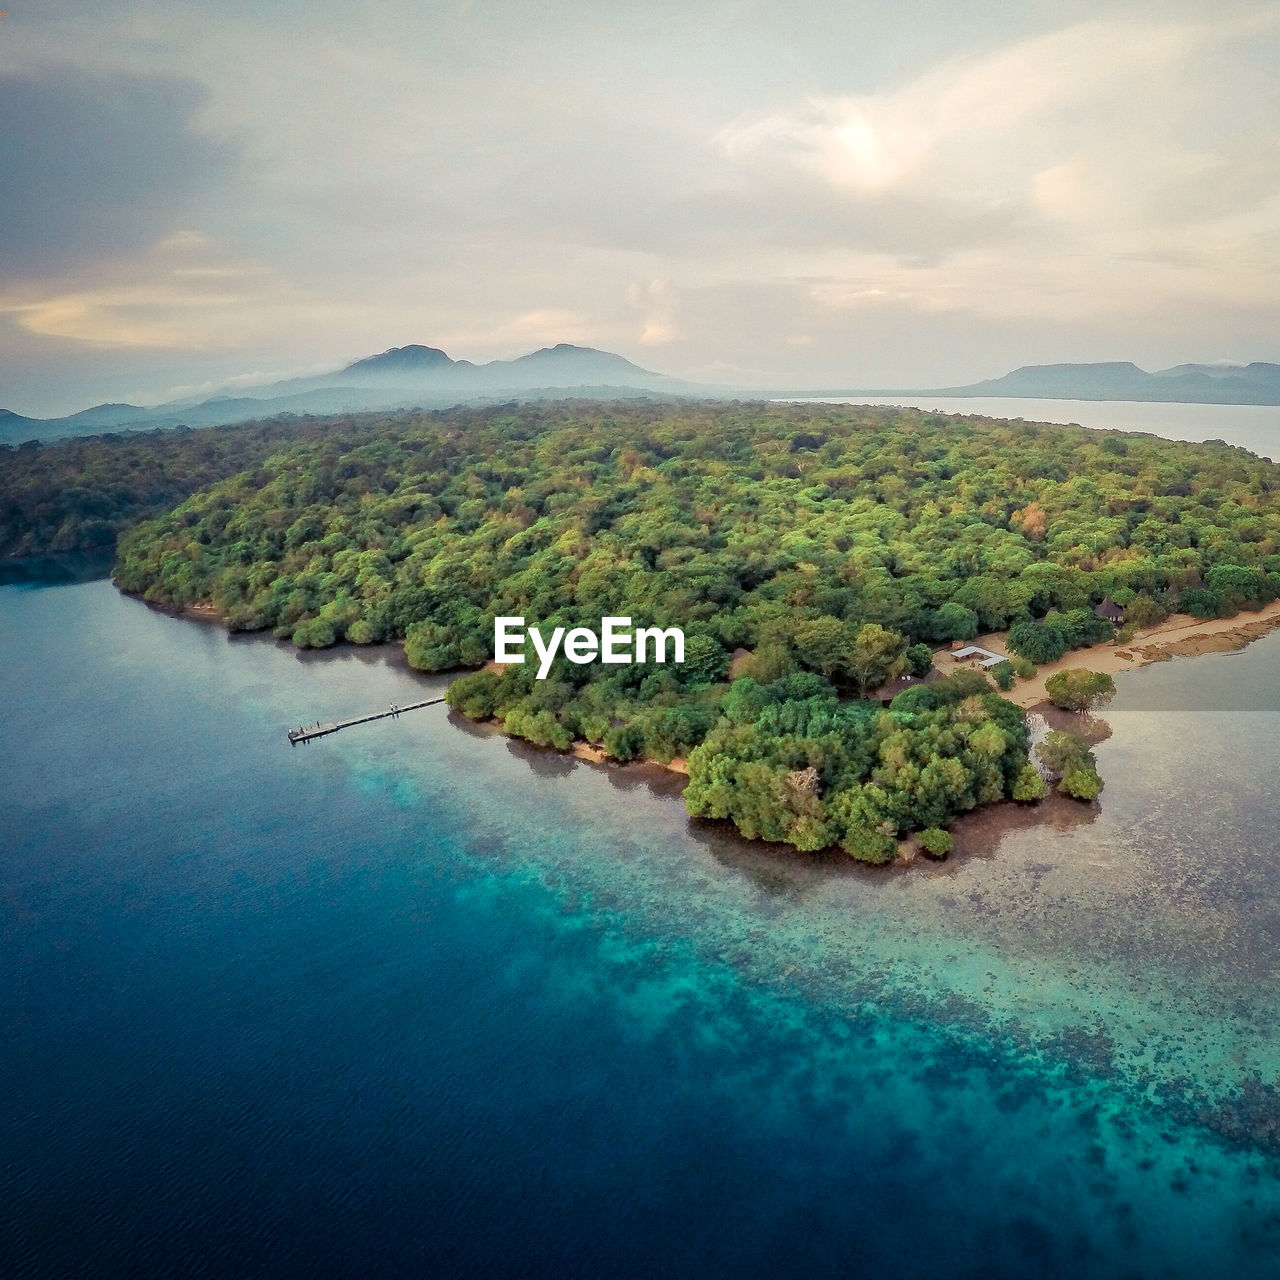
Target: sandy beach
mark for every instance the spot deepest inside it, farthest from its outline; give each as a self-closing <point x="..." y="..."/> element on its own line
<point x="1180" y="636"/>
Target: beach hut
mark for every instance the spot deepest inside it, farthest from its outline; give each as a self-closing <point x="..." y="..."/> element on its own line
<point x="1111" y="611"/>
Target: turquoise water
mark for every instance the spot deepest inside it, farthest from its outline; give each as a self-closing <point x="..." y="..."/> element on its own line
<point x="417" y="1000"/>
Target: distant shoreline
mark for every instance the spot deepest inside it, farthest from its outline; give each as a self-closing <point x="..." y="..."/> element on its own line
<point x="961" y="393"/>
<point x="1179" y="636"/>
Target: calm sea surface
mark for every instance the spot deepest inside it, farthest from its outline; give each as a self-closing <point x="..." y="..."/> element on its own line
<point x="1254" y="427"/>
<point x="417" y="1001"/>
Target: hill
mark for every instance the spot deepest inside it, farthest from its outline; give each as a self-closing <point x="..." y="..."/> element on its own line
<point x="14" y="428"/>
<point x="1257" y="383"/>
<point x="410" y="377"/>
<point x="76" y="495"/>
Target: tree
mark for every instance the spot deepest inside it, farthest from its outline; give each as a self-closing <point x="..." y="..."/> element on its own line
<point x="868" y="844"/>
<point x="539" y="727"/>
<point x="1145" y="611"/>
<point x="936" y="842"/>
<point x="1200" y="602"/>
<point x="624" y="742"/>
<point x="705" y="660"/>
<point x="823" y="645"/>
<point x="746" y="699"/>
<point x="1080" y="627"/>
<point x="954" y="622"/>
<point x="989" y="739"/>
<point x="771" y="661"/>
<point x="314" y="633"/>
<point x="1080" y="690"/>
<point x="1037" y="641"/>
<point x="474" y="694"/>
<point x="1060" y="750"/>
<point x="1002" y="673"/>
<point x="668" y="732"/>
<point x="877" y="655"/>
<point x="1069" y="759"/>
<point x="1031" y="519"/>
<point x="1029" y="785"/>
<point x="429" y="646"/>
<point x="920" y="656"/>
<point x="1235" y="583"/>
<point x="1081" y="782"/>
<point x="362" y="631"/>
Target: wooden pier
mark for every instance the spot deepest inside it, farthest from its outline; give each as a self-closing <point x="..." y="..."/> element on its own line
<point x="318" y="730"/>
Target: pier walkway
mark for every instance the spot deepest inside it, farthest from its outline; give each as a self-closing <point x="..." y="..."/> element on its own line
<point x="318" y="730"/>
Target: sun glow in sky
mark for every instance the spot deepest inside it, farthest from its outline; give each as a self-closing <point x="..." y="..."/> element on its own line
<point x="880" y="194"/>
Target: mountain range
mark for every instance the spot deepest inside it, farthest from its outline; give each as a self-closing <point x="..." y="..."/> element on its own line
<point x="426" y="377"/>
<point x="1223" y="383"/>
<point x="402" y="378"/>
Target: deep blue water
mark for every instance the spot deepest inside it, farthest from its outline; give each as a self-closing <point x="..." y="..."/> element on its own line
<point x="414" y="1000"/>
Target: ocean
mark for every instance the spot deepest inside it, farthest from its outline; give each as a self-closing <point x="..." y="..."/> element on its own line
<point x="416" y="1000"/>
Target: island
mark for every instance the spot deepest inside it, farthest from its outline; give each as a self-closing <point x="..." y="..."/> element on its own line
<point x="822" y="562"/>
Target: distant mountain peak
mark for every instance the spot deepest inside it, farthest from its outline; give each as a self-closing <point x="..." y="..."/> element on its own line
<point x="412" y="376"/>
<point x="114" y="413"/>
<point x="563" y="363"/>
<point x="414" y="357"/>
<point x="1217" y="382"/>
<point x="1095" y="367"/>
<point x="589" y="359"/>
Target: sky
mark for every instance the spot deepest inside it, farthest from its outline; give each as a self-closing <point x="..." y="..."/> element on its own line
<point x="882" y="194"/>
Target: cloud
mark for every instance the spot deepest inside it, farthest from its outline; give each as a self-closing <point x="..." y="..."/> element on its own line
<point x="862" y="194"/>
<point x="134" y="315"/>
<point x="184" y="292"/>
<point x="1113" y="160"/>
<point x="515" y="335"/>
<point x="97" y="166"/>
<point x="657" y="303"/>
<point x="958" y="118"/>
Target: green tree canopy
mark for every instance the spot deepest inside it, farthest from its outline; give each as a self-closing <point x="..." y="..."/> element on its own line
<point x="1080" y="690"/>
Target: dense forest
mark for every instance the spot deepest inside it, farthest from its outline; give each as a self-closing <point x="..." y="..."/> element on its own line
<point x="77" y="495"/>
<point x="774" y="526"/>
<point x="834" y="543"/>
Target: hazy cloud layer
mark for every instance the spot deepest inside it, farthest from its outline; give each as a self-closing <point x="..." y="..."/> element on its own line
<point x="1107" y="161"/>
<point x="861" y="195"/>
<point x="96" y="166"/>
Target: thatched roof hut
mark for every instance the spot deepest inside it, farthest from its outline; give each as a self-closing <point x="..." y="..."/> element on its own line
<point x="1110" y="610"/>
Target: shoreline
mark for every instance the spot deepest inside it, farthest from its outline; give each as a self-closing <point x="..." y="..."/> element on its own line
<point x="588" y="751"/>
<point x="1179" y="636"/>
